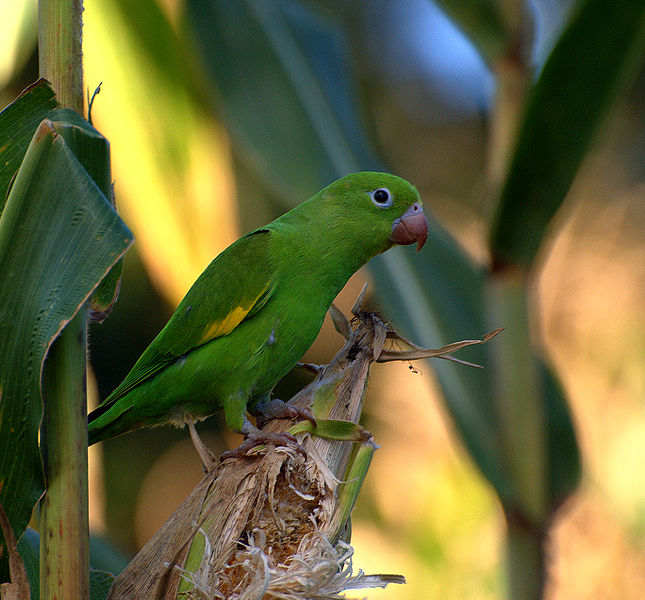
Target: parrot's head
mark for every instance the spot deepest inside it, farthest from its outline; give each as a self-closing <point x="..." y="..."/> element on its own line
<point x="381" y="209"/>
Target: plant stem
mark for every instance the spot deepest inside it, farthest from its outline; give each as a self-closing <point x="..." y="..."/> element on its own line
<point x="518" y="394"/>
<point x="521" y="422"/>
<point x="525" y="561"/>
<point x="64" y="529"/>
<point x="60" y="55"/>
<point x="64" y="549"/>
<point x="513" y="75"/>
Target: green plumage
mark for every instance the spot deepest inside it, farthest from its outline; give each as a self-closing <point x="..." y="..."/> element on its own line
<point x="256" y="309"/>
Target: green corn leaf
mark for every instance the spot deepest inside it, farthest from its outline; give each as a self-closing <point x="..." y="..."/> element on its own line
<point x="595" y="59"/>
<point x="94" y="152"/>
<point x="533" y="423"/>
<point x="18" y="121"/>
<point x="100" y="584"/>
<point x="59" y="236"/>
<point x="563" y="458"/>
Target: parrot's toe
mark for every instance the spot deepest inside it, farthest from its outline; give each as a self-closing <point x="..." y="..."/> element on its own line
<point x="256" y="437"/>
<point x="279" y="409"/>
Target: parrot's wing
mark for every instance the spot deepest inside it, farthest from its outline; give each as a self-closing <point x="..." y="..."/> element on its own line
<point x="234" y="287"/>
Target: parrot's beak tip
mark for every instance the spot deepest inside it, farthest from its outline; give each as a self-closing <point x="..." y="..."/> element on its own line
<point x="410" y="227"/>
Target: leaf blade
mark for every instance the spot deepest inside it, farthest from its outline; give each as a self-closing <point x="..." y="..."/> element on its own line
<point x="59" y="236"/>
<point x="595" y="58"/>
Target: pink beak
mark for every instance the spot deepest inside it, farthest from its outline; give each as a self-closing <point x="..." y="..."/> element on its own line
<point x="410" y="227"/>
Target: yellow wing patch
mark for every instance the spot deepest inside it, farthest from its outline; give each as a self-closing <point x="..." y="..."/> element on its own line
<point x="224" y="326"/>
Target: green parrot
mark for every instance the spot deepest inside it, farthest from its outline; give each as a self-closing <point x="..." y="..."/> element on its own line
<point x="257" y="308"/>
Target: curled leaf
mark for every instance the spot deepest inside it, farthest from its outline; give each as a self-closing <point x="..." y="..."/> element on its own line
<point x="443" y="352"/>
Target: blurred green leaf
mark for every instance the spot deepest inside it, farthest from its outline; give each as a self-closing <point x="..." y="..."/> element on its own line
<point x="563" y="458"/>
<point x="282" y="83"/>
<point x="59" y="236"/>
<point x="483" y="22"/>
<point x="594" y="60"/>
<point x="146" y="31"/>
<point x="100" y="584"/>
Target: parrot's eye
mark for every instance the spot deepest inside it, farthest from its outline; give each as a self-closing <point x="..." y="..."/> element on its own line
<point x="382" y="197"/>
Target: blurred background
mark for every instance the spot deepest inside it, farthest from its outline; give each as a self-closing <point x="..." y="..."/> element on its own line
<point x="190" y="178"/>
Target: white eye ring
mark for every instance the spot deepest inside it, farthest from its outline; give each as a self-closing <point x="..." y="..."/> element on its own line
<point x="382" y="197"/>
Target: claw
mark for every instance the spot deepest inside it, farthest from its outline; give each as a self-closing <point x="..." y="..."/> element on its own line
<point x="255" y="437"/>
<point x="315" y="369"/>
<point x="278" y="409"/>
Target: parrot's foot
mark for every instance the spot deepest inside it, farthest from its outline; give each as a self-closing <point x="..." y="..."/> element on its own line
<point x="209" y="460"/>
<point x="279" y="409"/>
<point x="256" y="437"/>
